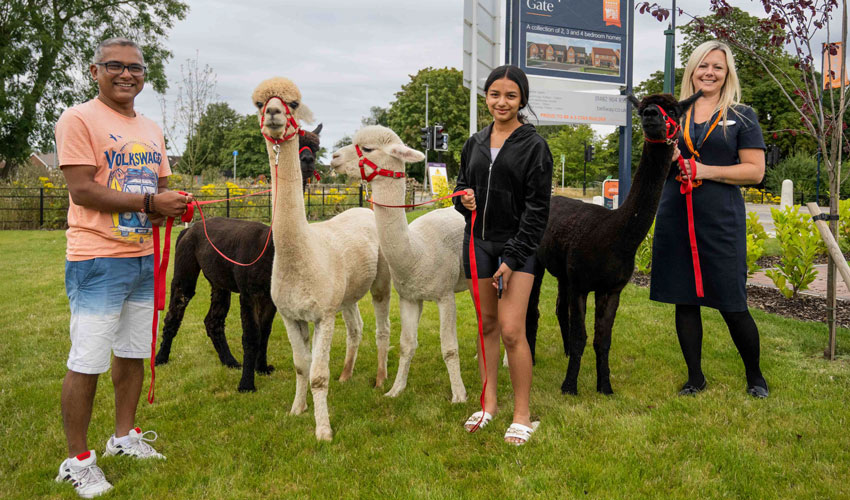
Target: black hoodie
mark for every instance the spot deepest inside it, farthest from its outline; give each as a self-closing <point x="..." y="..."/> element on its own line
<point x="511" y="194"/>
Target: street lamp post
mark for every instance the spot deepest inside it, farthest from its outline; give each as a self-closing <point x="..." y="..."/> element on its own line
<point x="235" y="154"/>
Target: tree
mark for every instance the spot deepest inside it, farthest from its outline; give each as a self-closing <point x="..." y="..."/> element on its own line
<point x="570" y="141"/>
<point x="46" y="45"/>
<point x="212" y="144"/>
<point x="245" y="137"/>
<point x="792" y="26"/>
<point x="448" y="104"/>
<point x="195" y="93"/>
<point x="377" y="116"/>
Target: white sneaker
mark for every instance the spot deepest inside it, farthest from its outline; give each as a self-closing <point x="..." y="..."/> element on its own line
<point x="137" y="447"/>
<point x="82" y="471"/>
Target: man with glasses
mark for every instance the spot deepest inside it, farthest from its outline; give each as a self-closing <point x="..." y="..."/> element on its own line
<point x="116" y="167"/>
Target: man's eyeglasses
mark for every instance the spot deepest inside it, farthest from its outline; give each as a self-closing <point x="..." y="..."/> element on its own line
<point x="116" y="68"/>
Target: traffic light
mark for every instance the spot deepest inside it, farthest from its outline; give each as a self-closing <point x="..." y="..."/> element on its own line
<point x="772" y="155"/>
<point x="426" y="137"/>
<point x="588" y="152"/>
<point x="441" y="140"/>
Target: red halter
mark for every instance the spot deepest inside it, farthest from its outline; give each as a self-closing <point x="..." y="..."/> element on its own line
<point x="315" y="172"/>
<point x="376" y="170"/>
<point x="672" y="129"/>
<point x="290" y="122"/>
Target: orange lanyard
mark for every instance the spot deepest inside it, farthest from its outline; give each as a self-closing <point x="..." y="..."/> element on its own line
<point x="687" y="133"/>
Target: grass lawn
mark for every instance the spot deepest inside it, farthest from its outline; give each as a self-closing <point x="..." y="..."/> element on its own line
<point x="642" y="442"/>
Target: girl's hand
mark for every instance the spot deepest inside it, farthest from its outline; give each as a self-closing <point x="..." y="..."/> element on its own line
<point x="505" y="272"/>
<point x="468" y="200"/>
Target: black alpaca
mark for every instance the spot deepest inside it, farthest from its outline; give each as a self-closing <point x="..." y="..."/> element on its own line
<point x="242" y="241"/>
<point x="591" y="249"/>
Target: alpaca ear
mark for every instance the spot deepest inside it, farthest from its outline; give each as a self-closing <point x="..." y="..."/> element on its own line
<point x="318" y="129"/>
<point x="687" y="103"/>
<point x="404" y="153"/>
<point x="303" y="114"/>
<point x="632" y="99"/>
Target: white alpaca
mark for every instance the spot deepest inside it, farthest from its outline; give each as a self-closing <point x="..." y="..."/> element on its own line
<point x="425" y="258"/>
<point x="320" y="268"/>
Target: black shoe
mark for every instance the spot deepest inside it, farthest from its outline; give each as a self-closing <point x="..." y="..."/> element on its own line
<point x="758" y="391"/>
<point x="690" y="389"/>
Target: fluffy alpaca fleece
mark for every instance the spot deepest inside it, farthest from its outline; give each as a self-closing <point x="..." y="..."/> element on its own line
<point x="318" y="269"/>
<point x="425" y="257"/>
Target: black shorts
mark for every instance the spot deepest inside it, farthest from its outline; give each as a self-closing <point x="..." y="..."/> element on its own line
<point x="487" y="255"/>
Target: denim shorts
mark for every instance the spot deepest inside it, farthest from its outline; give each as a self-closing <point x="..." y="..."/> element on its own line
<point x="111" y="310"/>
<point x="487" y="255"/>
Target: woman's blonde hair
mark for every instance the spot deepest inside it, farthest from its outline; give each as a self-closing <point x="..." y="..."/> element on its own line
<point x="730" y="92"/>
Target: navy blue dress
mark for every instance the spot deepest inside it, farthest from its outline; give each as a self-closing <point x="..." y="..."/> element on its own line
<point x="719" y="222"/>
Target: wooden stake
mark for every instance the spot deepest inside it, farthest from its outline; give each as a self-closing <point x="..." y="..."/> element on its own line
<point x="831" y="245"/>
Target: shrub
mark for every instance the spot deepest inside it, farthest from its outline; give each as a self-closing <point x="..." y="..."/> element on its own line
<point x="800" y="243"/>
<point x="844" y="225"/>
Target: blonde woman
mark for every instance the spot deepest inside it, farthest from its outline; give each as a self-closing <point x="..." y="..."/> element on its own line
<point x="724" y="138"/>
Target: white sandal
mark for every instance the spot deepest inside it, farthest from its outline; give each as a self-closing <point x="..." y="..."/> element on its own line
<point x="519" y="431"/>
<point x="480" y="416"/>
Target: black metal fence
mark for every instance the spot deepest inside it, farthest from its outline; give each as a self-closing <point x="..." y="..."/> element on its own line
<point x="47" y="208"/>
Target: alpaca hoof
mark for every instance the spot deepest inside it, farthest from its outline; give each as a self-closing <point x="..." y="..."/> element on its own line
<point x="604" y="389"/>
<point x="161" y="360"/>
<point x="265" y="370"/>
<point x="324" y="434"/>
<point x="394" y="392"/>
<point x="459" y="398"/>
<point x="298" y="409"/>
<point x="567" y="388"/>
<point x="379" y="382"/>
<point x="246" y="388"/>
<point x="233" y="364"/>
<point x="344" y="377"/>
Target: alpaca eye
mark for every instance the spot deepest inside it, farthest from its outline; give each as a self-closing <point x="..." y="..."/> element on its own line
<point x="293" y="105"/>
<point x="367" y="150"/>
<point x="258" y="104"/>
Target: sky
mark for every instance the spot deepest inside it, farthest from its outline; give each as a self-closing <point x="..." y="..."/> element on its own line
<point x="345" y="56"/>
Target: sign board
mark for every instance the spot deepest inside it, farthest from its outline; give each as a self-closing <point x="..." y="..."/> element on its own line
<point x="555" y="107"/>
<point x="610" y="189"/>
<point x="235" y="153"/>
<point x="486" y="44"/>
<point x="438" y="176"/>
<point x="585" y="40"/>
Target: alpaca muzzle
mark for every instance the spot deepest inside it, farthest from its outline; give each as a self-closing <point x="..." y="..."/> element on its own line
<point x="672" y="129"/>
<point x="289" y="122"/>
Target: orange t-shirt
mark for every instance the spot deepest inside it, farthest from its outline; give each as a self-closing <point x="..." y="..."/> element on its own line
<point x="130" y="156"/>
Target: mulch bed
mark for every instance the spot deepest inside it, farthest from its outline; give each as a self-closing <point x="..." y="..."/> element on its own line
<point x="803" y="307"/>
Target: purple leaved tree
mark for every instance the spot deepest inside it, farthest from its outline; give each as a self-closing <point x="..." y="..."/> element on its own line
<point x="795" y="25"/>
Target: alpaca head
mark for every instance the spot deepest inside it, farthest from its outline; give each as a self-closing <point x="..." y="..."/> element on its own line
<point x="654" y="123"/>
<point x="269" y="98"/>
<point x="381" y="146"/>
<point x="310" y="141"/>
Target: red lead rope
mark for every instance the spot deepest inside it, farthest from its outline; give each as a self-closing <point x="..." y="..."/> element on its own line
<point x="687" y="188"/>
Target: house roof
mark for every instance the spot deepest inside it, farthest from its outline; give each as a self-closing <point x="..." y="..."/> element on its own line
<point x="604" y="52"/>
<point x="578" y="49"/>
<point x="562" y="48"/>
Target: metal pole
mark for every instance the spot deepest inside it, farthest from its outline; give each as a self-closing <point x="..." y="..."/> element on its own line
<point x="428" y="146"/>
<point x="584" y="185"/>
<point x="227" y="195"/>
<point x="234" y="168"/>
<point x="625" y="168"/>
<point x="41" y="207"/>
<point x="473" y="74"/>
<point x="562" y="171"/>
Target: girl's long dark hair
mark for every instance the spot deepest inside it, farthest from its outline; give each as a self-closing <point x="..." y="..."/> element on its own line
<point x="516" y="75"/>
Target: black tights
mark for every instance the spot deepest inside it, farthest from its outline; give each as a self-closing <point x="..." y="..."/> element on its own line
<point x="744" y="333"/>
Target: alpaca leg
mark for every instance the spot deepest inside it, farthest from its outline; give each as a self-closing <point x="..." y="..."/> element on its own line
<point x="214" y="321"/>
<point x="562" y="310"/>
<point x="266" y="312"/>
<point x="354" y="329"/>
<point x="320" y="375"/>
<point x="411" y="311"/>
<point x="381" y="293"/>
<point x="578" y="339"/>
<point x="532" y="316"/>
<point x="180" y="297"/>
<point x="250" y="341"/>
<point x="299" y="338"/>
<point x="606" y="310"/>
<point x="449" y="347"/>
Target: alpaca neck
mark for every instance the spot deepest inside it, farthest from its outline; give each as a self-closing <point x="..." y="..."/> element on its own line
<point x="290" y="221"/>
<point x="636" y="214"/>
<point x="393" y="231"/>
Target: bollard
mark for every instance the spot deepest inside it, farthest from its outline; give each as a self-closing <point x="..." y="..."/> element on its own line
<point x="787" y="198"/>
<point x="616" y="201"/>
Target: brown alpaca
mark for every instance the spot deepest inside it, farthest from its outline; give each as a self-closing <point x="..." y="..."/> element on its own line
<point x="591" y="249"/>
